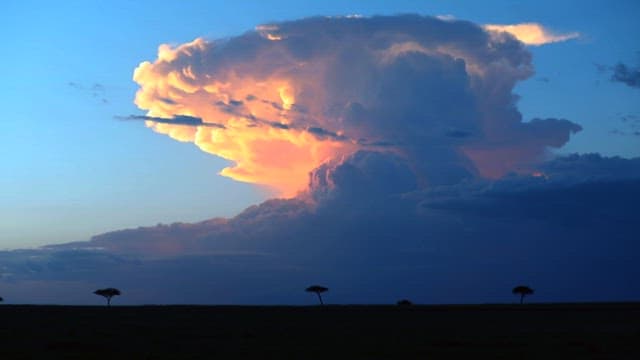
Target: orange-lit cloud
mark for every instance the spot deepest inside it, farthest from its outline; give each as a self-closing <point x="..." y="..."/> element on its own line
<point x="255" y="113"/>
<point x="282" y="100"/>
<point x="269" y="32"/>
<point x="532" y="33"/>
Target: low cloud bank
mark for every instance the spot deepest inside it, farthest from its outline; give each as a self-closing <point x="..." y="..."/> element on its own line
<point x="569" y="230"/>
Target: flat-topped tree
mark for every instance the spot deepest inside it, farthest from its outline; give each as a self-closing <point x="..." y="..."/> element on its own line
<point x="108" y="293"/>
<point x="318" y="290"/>
<point x="523" y="291"/>
<point x="1" y="299"/>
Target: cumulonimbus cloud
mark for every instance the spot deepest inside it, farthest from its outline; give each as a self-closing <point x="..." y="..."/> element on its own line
<point x="292" y="96"/>
<point x="532" y="33"/>
<point x="363" y="112"/>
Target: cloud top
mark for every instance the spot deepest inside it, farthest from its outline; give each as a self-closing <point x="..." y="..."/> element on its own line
<point x="532" y="33"/>
<point x="289" y="97"/>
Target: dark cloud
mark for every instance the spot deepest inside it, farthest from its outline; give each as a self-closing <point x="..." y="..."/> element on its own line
<point x="364" y="177"/>
<point x="590" y="168"/>
<point x="440" y="92"/>
<point x="176" y="120"/>
<point x="278" y="125"/>
<point x="235" y="107"/>
<point x="622" y="73"/>
<point x="369" y="233"/>
<point x="626" y="74"/>
<point x="321" y="133"/>
<point x="168" y="101"/>
<point x="555" y="132"/>
<point x="456" y="133"/>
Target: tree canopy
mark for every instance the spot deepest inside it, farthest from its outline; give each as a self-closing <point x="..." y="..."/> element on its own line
<point x="522" y="290"/>
<point x="318" y="290"/>
<point x="108" y="293"/>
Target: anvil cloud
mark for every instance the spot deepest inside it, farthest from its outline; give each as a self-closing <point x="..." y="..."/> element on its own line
<point x="292" y="96"/>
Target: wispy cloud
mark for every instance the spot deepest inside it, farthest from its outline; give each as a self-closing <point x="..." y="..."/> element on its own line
<point x="96" y="90"/>
<point x="532" y="33"/>
<point x="626" y="74"/>
<point x="183" y="120"/>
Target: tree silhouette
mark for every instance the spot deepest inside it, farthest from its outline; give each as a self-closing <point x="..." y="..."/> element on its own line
<point x="404" y="302"/>
<point x="1" y="299"/>
<point x="318" y="290"/>
<point x="522" y="290"/>
<point x="108" y="293"/>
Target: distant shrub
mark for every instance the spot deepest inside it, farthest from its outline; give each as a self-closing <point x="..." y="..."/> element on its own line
<point x="523" y="291"/>
<point x="108" y="293"/>
<point x="318" y="290"/>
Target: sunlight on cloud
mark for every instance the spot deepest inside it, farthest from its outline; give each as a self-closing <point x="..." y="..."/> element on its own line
<point x="255" y="112"/>
<point x="268" y="32"/>
<point x="287" y="98"/>
<point x="532" y="33"/>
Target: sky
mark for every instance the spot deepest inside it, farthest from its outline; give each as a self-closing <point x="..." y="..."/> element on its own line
<point x="449" y="134"/>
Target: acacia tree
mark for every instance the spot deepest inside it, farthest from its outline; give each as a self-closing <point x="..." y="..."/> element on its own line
<point x="1" y="299"/>
<point x="318" y="290"/>
<point x="522" y="290"/>
<point x="108" y="293"/>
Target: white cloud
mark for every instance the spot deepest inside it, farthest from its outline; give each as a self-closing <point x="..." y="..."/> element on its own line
<point x="532" y="33"/>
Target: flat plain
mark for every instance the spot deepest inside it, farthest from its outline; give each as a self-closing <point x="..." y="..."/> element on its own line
<point x="530" y="331"/>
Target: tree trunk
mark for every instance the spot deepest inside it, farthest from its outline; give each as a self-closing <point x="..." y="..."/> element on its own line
<point x="109" y="301"/>
<point x="320" y="298"/>
<point x="521" y="298"/>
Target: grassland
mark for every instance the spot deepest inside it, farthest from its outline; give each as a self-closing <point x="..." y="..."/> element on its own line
<point x="549" y="331"/>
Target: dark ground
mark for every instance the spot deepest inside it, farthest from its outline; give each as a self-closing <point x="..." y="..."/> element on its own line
<point x="549" y="331"/>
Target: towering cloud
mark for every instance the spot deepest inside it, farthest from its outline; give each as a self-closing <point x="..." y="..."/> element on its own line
<point x="289" y="97"/>
<point x="625" y="74"/>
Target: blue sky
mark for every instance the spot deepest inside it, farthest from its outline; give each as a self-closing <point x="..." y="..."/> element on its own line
<point x="70" y="170"/>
